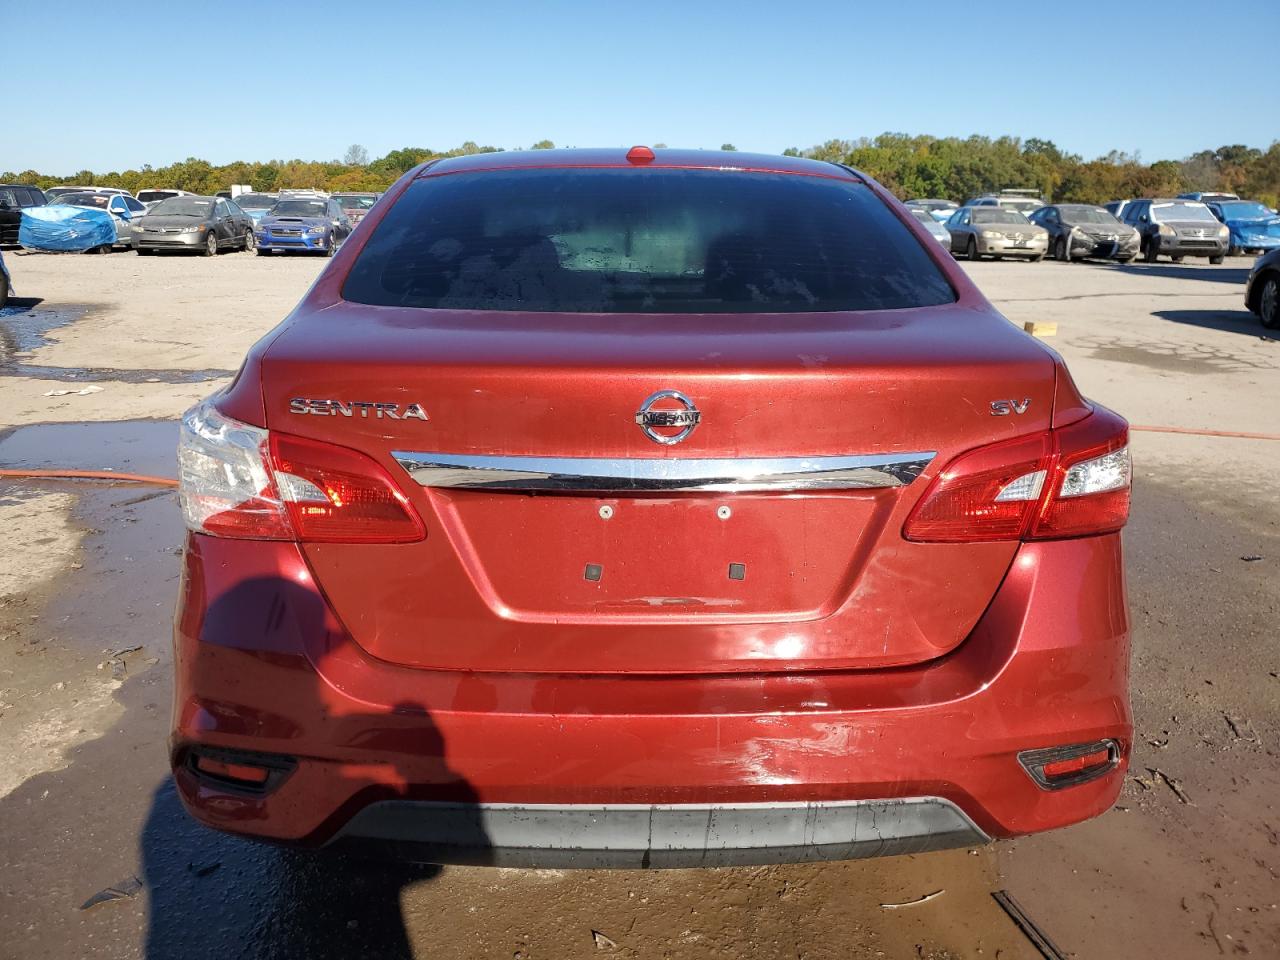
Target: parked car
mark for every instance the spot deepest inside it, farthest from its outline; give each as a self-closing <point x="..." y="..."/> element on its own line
<point x="256" y="205"/>
<point x="1023" y="201"/>
<point x="151" y="197"/>
<point x="123" y="208"/>
<point x="1177" y="229"/>
<point x="1206" y="197"/>
<point x="995" y="231"/>
<point x="53" y="194"/>
<point x="1116" y="208"/>
<point x="1262" y="295"/>
<point x="315" y="225"/>
<point x="356" y="205"/>
<point x="1253" y="227"/>
<point x="196" y="224"/>
<point x="14" y="198"/>
<point x="6" y="283"/>
<point x="475" y="572"/>
<point x="940" y="210"/>
<point x="1078" y="231"/>
<point x="936" y="230"/>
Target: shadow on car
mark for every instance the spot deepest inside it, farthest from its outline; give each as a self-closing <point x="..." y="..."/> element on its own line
<point x="1230" y="321"/>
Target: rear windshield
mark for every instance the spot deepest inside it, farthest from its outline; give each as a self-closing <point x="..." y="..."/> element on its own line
<point x="356" y="203"/>
<point x="258" y="201"/>
<point x="643" y="241"/>
<point x="146" y="196"/>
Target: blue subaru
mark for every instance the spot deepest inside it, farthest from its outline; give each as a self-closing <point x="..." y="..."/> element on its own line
<point x="311" y="224"/>
<point x="1254" y="227"/>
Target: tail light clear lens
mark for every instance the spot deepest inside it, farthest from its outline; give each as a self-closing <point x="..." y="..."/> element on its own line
<point x="224" y="484"/>
<point x="1069" y="482"/>
<point x="242" y="481"/>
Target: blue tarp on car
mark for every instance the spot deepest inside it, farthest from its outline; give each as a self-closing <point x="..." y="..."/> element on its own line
<point x="62" y="227"/>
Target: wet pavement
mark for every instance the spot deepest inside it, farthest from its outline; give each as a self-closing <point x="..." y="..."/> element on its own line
<point x="25" y="326"/>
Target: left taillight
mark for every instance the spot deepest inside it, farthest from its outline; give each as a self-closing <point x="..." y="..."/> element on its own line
<point x="241" y="481"/>
<point x="1069" y="482"/>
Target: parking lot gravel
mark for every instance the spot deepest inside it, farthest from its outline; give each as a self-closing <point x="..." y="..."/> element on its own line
<point x="98" y="356"/>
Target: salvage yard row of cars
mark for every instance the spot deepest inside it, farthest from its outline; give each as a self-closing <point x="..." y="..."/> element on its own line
<point x="99" y="219"/>
<point x="1016" y="223"/>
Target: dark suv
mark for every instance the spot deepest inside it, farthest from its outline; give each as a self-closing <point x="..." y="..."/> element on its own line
<point x="13" y="198"/>
<point x="1177" y="228"/>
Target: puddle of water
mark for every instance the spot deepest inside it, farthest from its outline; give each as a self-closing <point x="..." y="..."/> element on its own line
<point x="130" y="446"/>
<point x="24" y="329"/>
<point x="115" y="374"/>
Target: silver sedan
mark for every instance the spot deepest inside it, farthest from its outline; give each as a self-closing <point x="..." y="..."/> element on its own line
<point x="978" y="232"/>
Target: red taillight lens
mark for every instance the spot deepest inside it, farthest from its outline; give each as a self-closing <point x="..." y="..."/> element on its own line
<point x="977" y="496"/>
<point x="242" y="481"/>
<point x="1069" y="482"/>
<point x="333" y="493"/>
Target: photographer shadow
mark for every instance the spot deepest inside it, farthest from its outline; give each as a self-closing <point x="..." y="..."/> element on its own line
<point x="218" y="895"/>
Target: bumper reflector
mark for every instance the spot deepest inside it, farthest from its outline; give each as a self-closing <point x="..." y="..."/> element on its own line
<point x="248" y="772"/>
<point x="1056" y="767"/>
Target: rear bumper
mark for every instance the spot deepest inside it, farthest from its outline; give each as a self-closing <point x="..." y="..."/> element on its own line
<point x="671" y="835"/>
<point x="588" y="763"/>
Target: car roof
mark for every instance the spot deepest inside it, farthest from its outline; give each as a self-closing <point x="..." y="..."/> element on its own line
<point x="617" y="157"/>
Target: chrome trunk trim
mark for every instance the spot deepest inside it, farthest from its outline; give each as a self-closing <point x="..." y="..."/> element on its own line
<point x="627" y="475"/>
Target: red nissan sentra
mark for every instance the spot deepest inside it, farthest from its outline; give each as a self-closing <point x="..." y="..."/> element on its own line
<point x="649" y="508"/>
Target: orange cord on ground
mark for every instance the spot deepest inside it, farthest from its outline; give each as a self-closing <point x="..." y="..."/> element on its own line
<point x="1208" y="433"/>
<point x="88" y="475"/>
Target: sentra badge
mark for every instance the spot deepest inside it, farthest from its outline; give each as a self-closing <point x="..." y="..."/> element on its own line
<point x="365" y="409"/>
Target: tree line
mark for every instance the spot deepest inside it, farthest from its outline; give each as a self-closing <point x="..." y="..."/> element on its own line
<point x="911" y="166"/>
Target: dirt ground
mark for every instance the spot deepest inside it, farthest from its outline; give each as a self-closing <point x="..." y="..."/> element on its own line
<point x="1185" y="865"/>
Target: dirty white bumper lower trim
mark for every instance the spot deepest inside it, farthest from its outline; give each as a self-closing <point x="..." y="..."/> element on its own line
<point x="664" y="835"/>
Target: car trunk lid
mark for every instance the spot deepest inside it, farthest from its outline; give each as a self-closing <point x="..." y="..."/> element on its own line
<point x="597" y="576"/>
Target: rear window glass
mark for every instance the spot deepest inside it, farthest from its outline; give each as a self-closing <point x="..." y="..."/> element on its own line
<point x="643" y="241"/>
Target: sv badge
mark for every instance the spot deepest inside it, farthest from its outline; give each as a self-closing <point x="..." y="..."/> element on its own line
<point x="1002" y="408"/>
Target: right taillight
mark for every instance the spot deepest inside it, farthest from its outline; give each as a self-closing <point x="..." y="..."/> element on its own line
<point x="237" y="480"/>
<point x="1069" y="482"/>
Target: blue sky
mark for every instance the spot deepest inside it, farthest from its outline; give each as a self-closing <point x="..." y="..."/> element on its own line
<point x="257" y="81"/>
